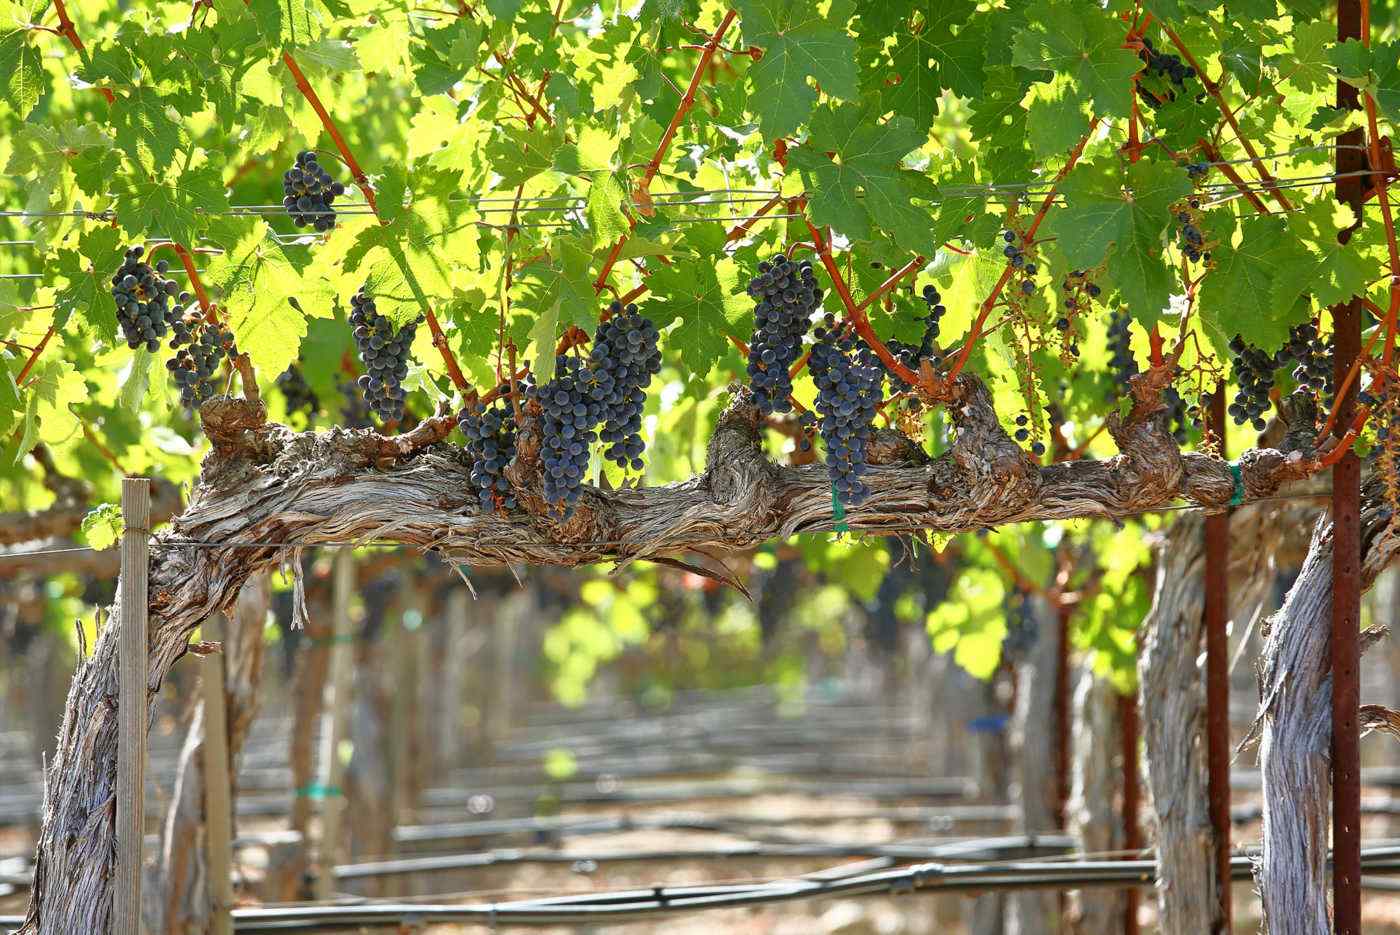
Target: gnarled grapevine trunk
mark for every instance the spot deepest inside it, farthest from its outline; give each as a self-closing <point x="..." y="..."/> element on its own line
<point x="1295" y="710"/>
<point x="179" y="900"/>
<point x="265" y="484"/>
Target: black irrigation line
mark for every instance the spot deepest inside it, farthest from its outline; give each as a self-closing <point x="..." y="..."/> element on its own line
<point x="629" y="905"/>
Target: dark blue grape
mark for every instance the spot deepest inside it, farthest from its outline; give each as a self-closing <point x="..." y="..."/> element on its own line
<point x="785" y="295"/>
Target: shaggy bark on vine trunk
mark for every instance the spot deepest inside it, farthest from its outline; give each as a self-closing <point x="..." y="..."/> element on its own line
<point x="1095" y="785"/>
<point x="263" y="483"/>
<point x="179" y="900"/>
<point x="1295" y="712"/>
<point x="1172" y="677"/>
<point x="1034" y="741"/>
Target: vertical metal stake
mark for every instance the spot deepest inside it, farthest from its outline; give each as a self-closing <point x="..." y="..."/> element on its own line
<point x="1217" y="612"/>
<point x="132" y="712"/>
<point x="218" y="812"/>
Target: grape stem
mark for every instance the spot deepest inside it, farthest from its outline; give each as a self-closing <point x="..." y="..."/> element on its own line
<point x="69" y="32"/>
<point x="687" y="101"/>
<point x="743" y="227"/>
<point x="454" y="370"/>
<point x="1213" y="89"/>
<point x="855" y="315"/>
<point x="990" y="302"/>
<point x="893" y="280"/>
<point x="34" y="357"/>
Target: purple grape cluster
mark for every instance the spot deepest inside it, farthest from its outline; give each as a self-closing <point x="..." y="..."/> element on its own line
<point x="202" y="347"/>
<point x="573" y="403"/>
<point x="623" y="359"/>
<point x="299" y="395"/>
<point x="786" y="294"/>
<point x="1255" y="372"/>
<point x="384" y="352"/>
<point x="308" y="191"/>
<point x="908" y="354"/>
<point x="850" y="380"/>
<point x="143" y="298"/>
<point x="490" y="432"/>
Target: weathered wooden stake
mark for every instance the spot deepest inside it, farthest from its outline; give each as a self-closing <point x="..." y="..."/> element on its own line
<point x="131" y="705"/>
<point x="218" y="812"/>
<point x="1216" y="625"/>
<point x="1346" y="541"/>
<point x="336" y="716"/>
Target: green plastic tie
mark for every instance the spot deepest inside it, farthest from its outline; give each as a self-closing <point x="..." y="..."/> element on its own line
<point x="1238" y="496"/>
<point x="317" y="791"/>
<point x="838" y="512"/>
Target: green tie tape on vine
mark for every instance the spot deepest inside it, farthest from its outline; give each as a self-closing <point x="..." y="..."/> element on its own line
<point x="316" y="790"/>
<point x="838" y="512"/>
<point x="1237" y="497"/>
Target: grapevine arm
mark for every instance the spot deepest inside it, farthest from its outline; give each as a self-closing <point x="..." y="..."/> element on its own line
<point x="990" y="302"/>
<point x="449" y="359"/>
<point x="1213" y="88"/>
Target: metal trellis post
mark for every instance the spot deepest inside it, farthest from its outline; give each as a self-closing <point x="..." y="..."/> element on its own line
<point x="1217" y="612"/>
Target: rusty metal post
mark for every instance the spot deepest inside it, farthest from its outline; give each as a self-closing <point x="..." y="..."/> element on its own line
<point x="1346" y="546"/>
<point x="1217" y="613"/>
<point x="1129" y="734"/>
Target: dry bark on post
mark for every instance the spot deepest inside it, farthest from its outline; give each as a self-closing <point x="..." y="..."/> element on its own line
<point x="180" y="884"/>
<point x="263" y="483"/>
<point x="1295" y="711"/>
<point x="1035" y="912"/>
<point x="1095" y="785"/>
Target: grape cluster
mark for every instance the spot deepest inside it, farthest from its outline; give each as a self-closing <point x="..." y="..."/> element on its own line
<point x="622" y="361"/>
<point x="1022" y="434"/>
<point x="786" y="294"/>
<point x="490" y="432"/>
<point x="1164" y="66"/>
<point x="849" y="380"/>
<point x="908" y="354"/>
<point x="297" y="392"/>
<point x="308" y="192"/>
<point x="1192" y="241"/>
<point x="202" y="347"/>
<point x="384" y="352"/>
<point x="1080" y="292"/>
<point x="1120" y="351"/>
<point x="143" y="300"/>
<point x="573" y="403"/>
<point x="354" y="411"/>
<point x="1254" y="371"/>
<point x="1197" y="170"/>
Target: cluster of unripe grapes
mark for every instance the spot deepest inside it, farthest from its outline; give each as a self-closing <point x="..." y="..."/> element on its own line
<point x="1192" y="240"/>
<point x="297" y="392"/>
<point x="203" y="345"/>
<point x="490" y="433"/>
<point x="850" y="381"/>
<point x="786" y="294"/>
<point x="1254" y="371"/>
<point x="308" y="192"/>
<point x="143" y="297"/>
<point x="625" y="355"/>
<point x="384" y="352"/>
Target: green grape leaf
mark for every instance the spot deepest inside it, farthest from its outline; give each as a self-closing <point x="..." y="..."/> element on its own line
<point x="102" y="526"/>
<point x="564" y="279"/>
<point x="1307" y="64"/>
<point x="518" y="155"/>
<point x="1375" y="70"/>
<point x="971" y="623"/>
<point x="1084" y="42"/>
<point x="147" y="131"/>
<point x="929" y="55"/>
<point x="701" y="297"/>
<point x="1331" y="271"/>
<point x="446" y="55"/>
<point x="866" y="163"/>
<point x="800" y="41"/>
<point x="1054" y="125"/>
<point x="1237" y="297"/>
<point x="21" y="71"/>
<point x="88" y="290"/>
<point x="151" y="206"/>
<point x="606" y="220"/>
<point x="1120" y="212"/>
<point x="998" y="111"/>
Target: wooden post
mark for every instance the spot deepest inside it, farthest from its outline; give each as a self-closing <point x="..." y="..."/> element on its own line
<point x="1346" y="539"/>
<point x="132" y="714"/>
<point x="218" y="811"/>
<point x="335" y="720"/>
<point x="1216" y="624"/>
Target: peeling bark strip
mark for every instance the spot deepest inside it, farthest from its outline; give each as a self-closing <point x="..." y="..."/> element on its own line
<point x="264" y="483"/>
<point x="1295" y="709"/>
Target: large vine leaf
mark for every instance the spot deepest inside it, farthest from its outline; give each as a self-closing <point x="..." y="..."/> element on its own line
<point x="801" y="41"/>
<point x="1083" y="41"/>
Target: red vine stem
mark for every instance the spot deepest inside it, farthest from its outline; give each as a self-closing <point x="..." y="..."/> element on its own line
<point x="892" y="281"/>
<point x="990" y="302"/>
<point x="34" y="357"/>
<point x="69" y="32"/>
<point x="687" y="102"/>
<point x="742" y="228"/>
<point x="1213" y="89"/>
<point x="454" y="370"/>
<point x="856" y="315"/>
<point x="1388" y="351"/>
<point x="1227" y="170"/>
